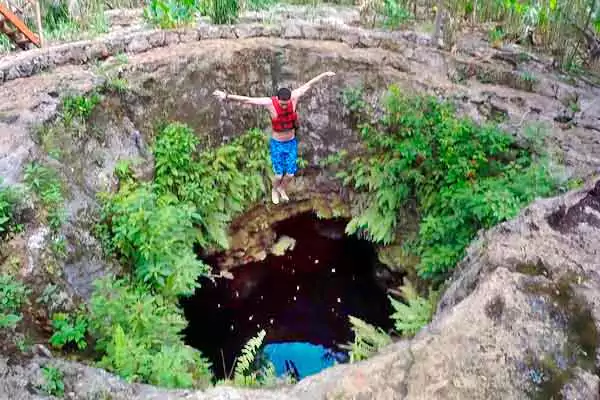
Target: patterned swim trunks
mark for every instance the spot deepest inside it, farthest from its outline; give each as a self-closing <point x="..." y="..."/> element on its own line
<point x="283" y="156"/>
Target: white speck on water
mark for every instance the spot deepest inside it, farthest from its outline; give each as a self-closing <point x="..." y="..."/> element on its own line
<point x="333" y="270"/>
<point x="316" y="261"/>
<point x="339" y="300"/>
<point x="271" y="321"/>
<point x="297" y="288"/>
<point x="294" y="298"/>
<point x="250" y="317"/>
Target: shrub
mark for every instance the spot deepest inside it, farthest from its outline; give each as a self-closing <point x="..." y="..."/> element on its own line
<point x="9" y="198"/>
<point x="167" y="14"/>
<point x="69" y="329"/>
<point x="13" y="295"/>
<point x="155" y="237"/>
<point x="153" y="227"/>
<point x="54" y="384"/>
<point x="463" y="177"/>
<point x="139" y="336"/>
<point x="220" y="182"/>
<point x="46" y="184"/>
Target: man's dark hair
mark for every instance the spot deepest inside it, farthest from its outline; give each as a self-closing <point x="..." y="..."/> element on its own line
<point x="284" y="94"/>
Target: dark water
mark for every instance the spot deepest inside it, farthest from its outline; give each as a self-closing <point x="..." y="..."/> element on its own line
<point x="302" y="299"/>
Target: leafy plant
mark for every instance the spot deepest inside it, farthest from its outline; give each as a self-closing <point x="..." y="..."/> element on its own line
<point x="9" y="198"/>
<point x="409" y="318"/>
<point x="353" y="100"/>
<point x="496" y="34"/>
<point x="246" y="373"/>
<point x="462" y="177"/>
<point x="167" y="14"/>
<point x="54" y="384"/>
<point x="52" y="298"/>
<point x="395" y="14"/>
<point x="45" y="183"/>
<point x="69" y="329"/>
<point x="13" y="295"/>
<point x="139" y="336"/>
<point x="79" y="106"/>
<point x="153" y="227"/>
<point x="155" y="237"/>
<point x="368" y="340"/>
<point x="219" y="183"/>
<point x="222" y="11"/>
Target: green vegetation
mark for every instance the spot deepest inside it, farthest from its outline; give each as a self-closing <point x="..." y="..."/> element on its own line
<point x="69" y="329"/>
<point x="138" y="333"/>
<point x="463" y="178"/>
<point x="45" y="182"/>
<point x="248" y="371"/>
<point x="152" y="228"/>
<point x="54" y="384"/>
<point x="551" y="21"/>
<point x="168" y="14"/>
<point x="368" y="340"/>
<point x="409" y="318"/>
<point x="9" y="199"/>
<point x="79" y="107"/>
<point x="13" y="294"/>
<point x="222" y="11"/>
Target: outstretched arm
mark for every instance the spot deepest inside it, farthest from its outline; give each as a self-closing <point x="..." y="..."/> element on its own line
<point x="257" y="101"/>
<point x="304" y="88"/>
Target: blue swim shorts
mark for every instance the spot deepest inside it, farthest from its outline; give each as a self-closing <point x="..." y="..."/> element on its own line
<point x="283" y="156"/>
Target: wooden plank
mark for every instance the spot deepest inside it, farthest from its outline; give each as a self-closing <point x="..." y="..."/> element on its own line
<point x="16" y="21"/>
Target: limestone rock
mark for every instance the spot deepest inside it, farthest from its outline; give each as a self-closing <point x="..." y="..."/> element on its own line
<point x="520" y="316"/>
<point x="283" y="244"/>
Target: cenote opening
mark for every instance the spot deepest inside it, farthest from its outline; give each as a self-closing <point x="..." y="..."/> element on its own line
<point x="301" y="298"/>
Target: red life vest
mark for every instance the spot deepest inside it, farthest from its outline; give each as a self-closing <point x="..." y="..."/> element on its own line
<point x="286" y="117"/>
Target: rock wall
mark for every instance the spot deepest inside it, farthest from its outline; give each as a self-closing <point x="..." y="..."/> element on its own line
<point x="520" y="320"/>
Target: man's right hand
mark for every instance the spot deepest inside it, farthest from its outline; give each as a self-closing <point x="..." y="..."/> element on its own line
<point x="219" y="94"/>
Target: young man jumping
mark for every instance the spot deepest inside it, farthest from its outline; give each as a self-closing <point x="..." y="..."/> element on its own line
<point x="284" y="122"/>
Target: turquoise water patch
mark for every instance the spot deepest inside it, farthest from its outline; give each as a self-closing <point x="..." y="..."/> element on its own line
<point x="307" y="358"/>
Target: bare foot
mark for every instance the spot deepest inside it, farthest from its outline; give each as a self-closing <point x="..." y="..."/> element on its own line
<point x="283" y="194"/>
<point x="274" y="196"/>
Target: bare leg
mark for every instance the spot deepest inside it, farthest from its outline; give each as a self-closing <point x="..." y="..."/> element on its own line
<point x="276" y="182"/>
<point x="285" y="181"/>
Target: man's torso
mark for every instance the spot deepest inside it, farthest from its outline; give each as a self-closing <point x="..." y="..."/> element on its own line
<point x="284" y="136"/>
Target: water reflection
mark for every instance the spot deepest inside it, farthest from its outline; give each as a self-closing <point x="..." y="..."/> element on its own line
<point x="301" y="359"/>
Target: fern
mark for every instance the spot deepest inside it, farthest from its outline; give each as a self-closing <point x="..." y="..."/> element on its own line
<point x="153" y="227"/>
<point x="243" y="373"/>
<point x="368" y="340"/>
<point x="409" y="318"/>
<point x="462" y="177"/>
